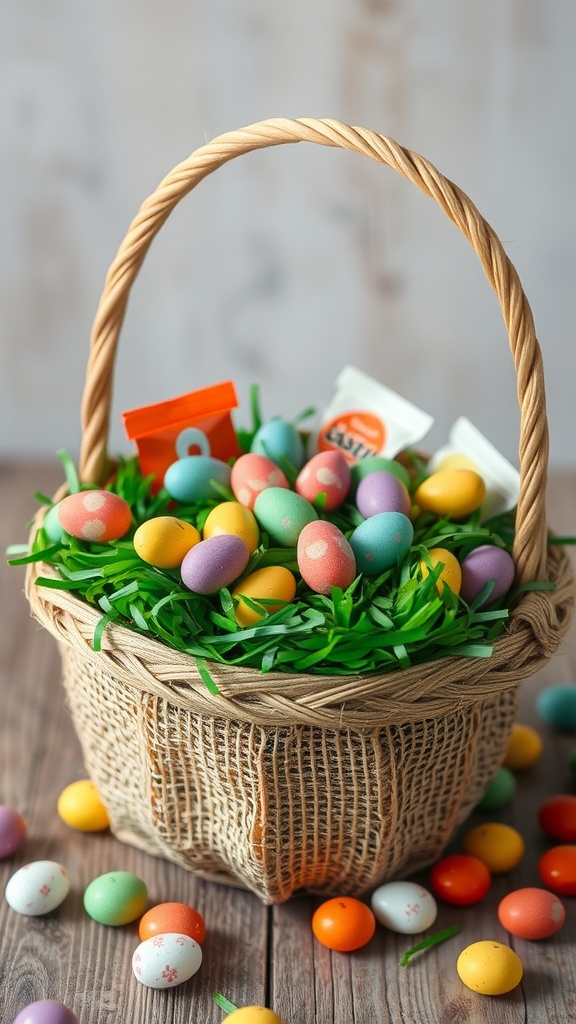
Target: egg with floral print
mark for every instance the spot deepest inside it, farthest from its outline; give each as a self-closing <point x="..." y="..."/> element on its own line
<point x="325" y="480"/>
<point x="167" y="960"/>
<point x="325" y="558"/>
<point x="37" y="888"/>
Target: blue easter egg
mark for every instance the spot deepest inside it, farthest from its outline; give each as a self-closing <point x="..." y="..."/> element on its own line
<point x="381" y="542"/>
<point x="279" y="441"/>
<point x="557" y="706"/>
<point x="191" y="478"/>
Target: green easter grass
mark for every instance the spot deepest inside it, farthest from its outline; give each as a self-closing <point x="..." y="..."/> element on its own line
<point x="389" y="622"/>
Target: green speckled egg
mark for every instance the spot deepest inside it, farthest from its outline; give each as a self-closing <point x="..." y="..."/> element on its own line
<point x="116" y="898"/>
<point x="283" y="514"/>
<point x="381" y="542"/>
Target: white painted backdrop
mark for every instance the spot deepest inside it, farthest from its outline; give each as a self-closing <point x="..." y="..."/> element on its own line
<point x="285" y="264"/>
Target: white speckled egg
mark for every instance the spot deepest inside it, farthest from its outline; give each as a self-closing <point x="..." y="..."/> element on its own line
<point x="325" y="558"/>
<point x="94" y="515"/>
<point x="326" y="474"/>
<point x="38" y="887"/>
<point x="253" y="473"/>
<point x="279" y="441"/>
<point x="381" y="541"/>
<point x="191" y="478"/>
<point x="487" y="562"/>
<point x="283" y="514"/>
<point x="165" y="961"/>
<point x="404" y="907"/>
<point x="214" y="563"/>
<point x="382" y="492"/>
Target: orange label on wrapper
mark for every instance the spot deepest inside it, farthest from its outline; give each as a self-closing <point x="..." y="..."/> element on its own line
<point x="354" y="434"/>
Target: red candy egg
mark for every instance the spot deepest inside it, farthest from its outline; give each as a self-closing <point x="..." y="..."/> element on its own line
<point x="325" y="558"/>
<point x="97" y="516"/>
<point x="253" y="473"/>
<point x="557" y="817"/>
<point x="557" y="869"/>
<point x="460" y="879"/>
<point x="531" y="913"/>
<point x="326" y="474"/>
<point x="172" y="917"/>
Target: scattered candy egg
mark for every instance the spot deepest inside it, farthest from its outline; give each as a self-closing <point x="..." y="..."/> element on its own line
<point x="80" y="806"/>
<point x="279" y="441"/>
<point x="499" y="792"/>
<point x="46" y="1011"/>
<point x="450" y="574"/>
<point x="381" y="542"/>
<point x="483" y="564"/>
<point x="273" y="583"/>
<point x="343" y="923"/>
<point x="252" y="1015"/>
<point x="557" y="817"/>
<point x="253" y="473"/>
<point x="404" y="907"/>
<point x="164" y="540"/>
<point x="500" y="846"/>
<point x="214" y="563"/>
<point x="325" y="558"/>
<point x="38" y="888"/>
<point x="192" y="478"/>
<point x="375" y="463"/>
<point x="172" y="917"/>
<point x="230" y="517"/>
<point x="531" y="913"/>
<point x="283" y="514"/>
<point x="382" y="492"/>
<point x="12" y="831"/>
<point x="557" y="869"/>
<point x="326" y="476"/>
<point x="451" y="492"/>
<point x="460" y="879"/>
<point x="94" y="515"/>
<point x="524" y="747"/>
<point x="115" y="898"/>
<point x="165" y="961"/>
<point x="557" y="706"/>
<point x="489" y="967"/>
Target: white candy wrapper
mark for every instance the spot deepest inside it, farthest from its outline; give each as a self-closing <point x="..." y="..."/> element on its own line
<point x="366" y="418"/>
<point x="467" y="448"/>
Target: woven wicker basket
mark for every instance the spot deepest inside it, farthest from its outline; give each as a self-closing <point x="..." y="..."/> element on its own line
<point x="284" y="783"/>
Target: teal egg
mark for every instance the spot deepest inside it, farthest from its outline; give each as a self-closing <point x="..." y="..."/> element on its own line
<point x="499" y="792"/>
<point x="279" y="441"/>
<point x="51" y="524"/>
<point x="381" y="542"/>
<point x="283" y="514"/>
<point x="191" y="478"/>
<point x="375" y="464"/>
<point x="557" y="706"/>
<point x="116" y="898"/>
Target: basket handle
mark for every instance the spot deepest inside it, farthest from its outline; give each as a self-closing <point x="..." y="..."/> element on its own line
<point x="531" y="536"/>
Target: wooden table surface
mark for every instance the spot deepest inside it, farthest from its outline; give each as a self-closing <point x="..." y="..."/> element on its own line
<point x="252" y="954"/>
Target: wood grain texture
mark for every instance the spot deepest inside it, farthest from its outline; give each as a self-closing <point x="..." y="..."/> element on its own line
<point x="251" y="954"/>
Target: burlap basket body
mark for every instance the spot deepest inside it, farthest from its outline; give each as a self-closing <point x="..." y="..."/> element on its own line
<point x="281" y="783"/>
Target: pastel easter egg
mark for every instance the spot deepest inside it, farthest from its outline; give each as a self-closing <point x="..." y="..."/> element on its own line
<point x="38" y="888"/>
<point x="252" y="1015"/>
<point x="283" y="514"/>
<point x="273" y="583"/>
<point x="378" y="463"/>
<point x="165" y="961"/>
<point x="230" y="517"/>
<point x="381" y="542"/>
<point x="192" y="478"/>
<point x="485" y="563"/>
<point x="52" y="525"/>
<point x="12" y="831"/>
<point x="382" y="492"/>
<point x="450" y="573"/>
<point x="115" y="898"/>
<point x="164" y="540"/>
<point x="46" y="1011"/>
<point x="325" y="558"/>
<point x="326" y="477"/>
<point x="451" y="492"/>
<point x="279" y="441"/>
<point x="253" y="473"/>
<point x="98" y="516"/>
<point x="79" y="805"/>
<point x="404" y="907"/>
<point x="556" y="705"/>
<point x="214" y="563"/>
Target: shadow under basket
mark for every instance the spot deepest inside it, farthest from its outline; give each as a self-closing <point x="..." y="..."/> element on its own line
<point x="282" y="783"/>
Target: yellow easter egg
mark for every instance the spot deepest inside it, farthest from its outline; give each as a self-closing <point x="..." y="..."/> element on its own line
<point x="489" y="967"/>
<point x="451" y="492"/>
<point x="164" y="540"/>
<point x="252" y="1015"/>
<point x="273" y="583"/>
<point x="450" y="574"/>
<point x="524" y="747"/>
<point x="230" y="517"/>
<point x="80" y="806"/>
<point x="455" y="461"/>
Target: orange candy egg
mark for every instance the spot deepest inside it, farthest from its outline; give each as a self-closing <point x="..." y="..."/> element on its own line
<point x="94" y="515"/>
<point x="167" y="918"/>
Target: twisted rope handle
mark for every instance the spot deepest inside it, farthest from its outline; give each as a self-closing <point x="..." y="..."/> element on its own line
<point x="530" y="540"/>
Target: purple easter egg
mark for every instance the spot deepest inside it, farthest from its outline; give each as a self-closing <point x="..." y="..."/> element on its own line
<point x="46" y="1011"/>
<point x="485" y="563"/>
<point x="12" y="831"/>
<point x="214" y="563"/>
<point x="382" y="492"/>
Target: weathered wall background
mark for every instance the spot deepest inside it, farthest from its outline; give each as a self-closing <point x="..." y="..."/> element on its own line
<point x="286" y="264"/>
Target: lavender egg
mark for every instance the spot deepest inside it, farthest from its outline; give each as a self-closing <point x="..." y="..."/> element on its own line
<point x="214" y="563"/>
<point x="485" y="563"/>
<point x="382" y="492"/>
<point x="46" y="1011"/>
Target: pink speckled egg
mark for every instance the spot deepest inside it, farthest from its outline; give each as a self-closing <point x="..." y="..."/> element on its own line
<point x="488" y="562"/>
<point x="325" y="558"/>
<point x="382" y="492"/>
<point x="214" y="563"/>
<point x="94" y="515"/>
<point x="253" y="473"/>
<point x="327" y="474"/>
